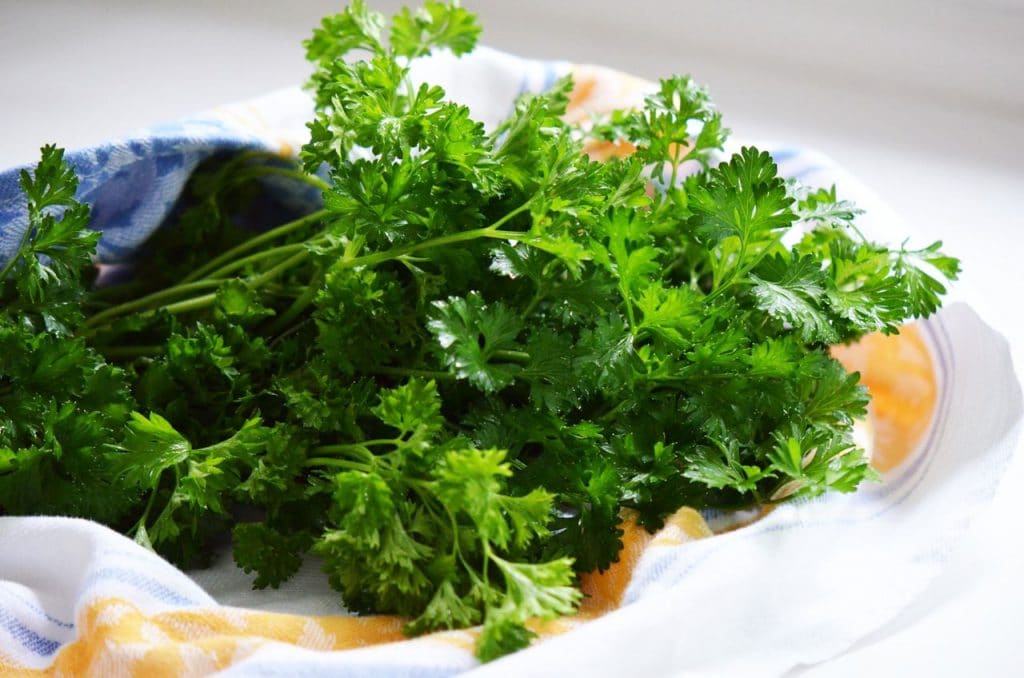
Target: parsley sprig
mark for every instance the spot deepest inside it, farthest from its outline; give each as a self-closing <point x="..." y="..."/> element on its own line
<point x="450" y="380"/>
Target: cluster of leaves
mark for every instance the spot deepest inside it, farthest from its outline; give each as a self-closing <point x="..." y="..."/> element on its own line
<point x="450" y="380"/>
<point x="60" y="401"/>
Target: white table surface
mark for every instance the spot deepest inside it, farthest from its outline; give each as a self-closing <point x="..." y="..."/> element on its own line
<point x="922" y="100"/>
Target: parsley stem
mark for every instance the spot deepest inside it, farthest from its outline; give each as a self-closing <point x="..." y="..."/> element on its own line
<point x="298" y="175"/>
<point x="395" y="252"/>
<point x="436" y="375"/>
<point x="253" y="258"/>
<point x="506" y="356"/>
<point x="193" y="304"/>
<point x="679" y="380"/>
<point x="290" y="331"/>
<point x="737" y="273"/>
<point x="149" y="299"/>
<point x="339" y="463"/>
<point x="266" y="236"/>
<point x="25" y="237"/>
<point x="17" y="255"/>
<point x="204" y="301"/>
<point x="277" y="270"/>
<point x="349" y="447"/>
<point x="492" y="231"/>
<point x="207" y="300"/>
<point x="299" y="305"/>
<point x="130" y="351"/>
<point x="614" y="412"/>
<point x="141" y="524"/>
<point x="201" y="302"/>
<point x="534" y="302"/>
<point x="505" y="219"/>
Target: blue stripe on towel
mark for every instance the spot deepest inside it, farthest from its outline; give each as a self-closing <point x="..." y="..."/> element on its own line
<point x="29" y="639"/>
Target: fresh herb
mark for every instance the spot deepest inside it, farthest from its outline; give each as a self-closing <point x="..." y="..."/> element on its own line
<point x="450" y="380"/>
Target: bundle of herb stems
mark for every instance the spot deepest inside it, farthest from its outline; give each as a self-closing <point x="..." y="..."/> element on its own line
<point x="451" y="380"/>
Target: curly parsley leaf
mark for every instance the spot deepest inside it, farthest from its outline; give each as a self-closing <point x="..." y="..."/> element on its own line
<point x="478" y="340"/>
<point x="437" y="24"/>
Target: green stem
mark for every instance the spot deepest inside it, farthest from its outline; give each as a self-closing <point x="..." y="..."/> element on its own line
<point x="538" y="297"/>
<point x="299" y="305"/>
<point x="253" y="258"/>
<point x="141" y="523"/>
<point x="519" y="357"/>
<point x="298" y="175"/>
<point x="338" y="463"/>
<point x="272" y="273"/>
<point x="396" y="252"/>
<point x="169" y="506"/>
<point x="408" y="372"/>
<point x="207" y="300"/>
<point x="427" y="498"/>
<point x="736" y="274"/>
<point x="492" y="231"/>
<point x="14" y="259"/>
<point x="251" y="243"/>
<point x="508" y="217"/>
<point x="204" y="301"/>
<point x="17" y="254"/>
<point x="143" y="302"/>
<point x="341" y="448"/>
<point x="630" y="316"/>
<point x="193" y="304"/>
<point x="610" y="414"/>
<point x="675" y="169"/>
<point x="665" y="196"/>
<point x="130" y="351"/>
<point x="672" y="266"/>
<point x="290" y="331"/>
<point x="680" y="380"/>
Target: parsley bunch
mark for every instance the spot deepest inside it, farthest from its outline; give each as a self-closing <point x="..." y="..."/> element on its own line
<point x="450" y="380"/>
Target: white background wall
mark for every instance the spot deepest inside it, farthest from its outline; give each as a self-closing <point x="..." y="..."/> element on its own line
<point x="922" y="99"/>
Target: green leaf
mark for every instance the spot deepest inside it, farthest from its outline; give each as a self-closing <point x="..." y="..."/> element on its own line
<point x="829" y="395"/>
<point x="473" y="336"/>
<point x="794" y="292"/>
<point x="446" y="610"/>
<point x="412" y="407"/>
<point x="605" y="358"/>
<point x="502" y="634"/>
<point x="671" y="313"/>
<point x="52" y="183"/>
<point x="628" y="256"/>
<point x="355" y="28"/>
<point x="272" y="555"/>
<point x="237" y="302"/>
<point x="720" y="467"/>
<point x="152" y="446"/>
<point x="540" y="590"/>
<point x="742" y="198"/>
<point x="471" y="481"/>
<point x="821" y="206"/>
<point x="814" y="460"/>
<point x="363" y="505"/>
<point x="437" y="24"/>
<point x="42" y="280"/>
<point x="923" y="290"/>
<point x="550" y="371"/>
<point x="676" y="124"/>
